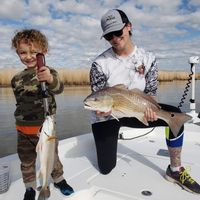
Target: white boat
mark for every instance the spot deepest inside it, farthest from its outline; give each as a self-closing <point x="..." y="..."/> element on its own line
<point x="139" y="174"/>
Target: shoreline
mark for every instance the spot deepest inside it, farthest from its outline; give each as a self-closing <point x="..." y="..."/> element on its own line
<point x="80" y="77"/>
<point x="88" y="86"/>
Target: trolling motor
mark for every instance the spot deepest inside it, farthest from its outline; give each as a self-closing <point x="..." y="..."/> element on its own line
<point x="192" y="61"/>
<point x="41" y="62"/>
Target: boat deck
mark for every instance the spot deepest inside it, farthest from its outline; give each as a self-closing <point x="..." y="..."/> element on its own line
<point x="139" y="174"/>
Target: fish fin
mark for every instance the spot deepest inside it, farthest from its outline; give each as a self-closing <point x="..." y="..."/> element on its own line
<point x="38" y="147"/>
<point x="52" y="138"/>
<point x="121" y="86"/>
<point x="118" y="112"/>
<point x="39" y="188"/>
<point x="114" y="117"/>
<point x="40" y="174"/>
<point x="144" y="121"/>
<point x="176" y="121"/>
<point x="44" y="193"/>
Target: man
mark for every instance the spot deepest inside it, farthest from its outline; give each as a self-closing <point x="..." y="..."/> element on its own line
<point x="125" y="63"/>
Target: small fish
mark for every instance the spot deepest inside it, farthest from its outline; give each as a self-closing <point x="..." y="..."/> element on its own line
<point x="46" y="149"/>
<point x="132" y="103"/>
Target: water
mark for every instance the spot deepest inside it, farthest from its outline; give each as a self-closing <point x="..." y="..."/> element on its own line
<point x="72" y="119"/>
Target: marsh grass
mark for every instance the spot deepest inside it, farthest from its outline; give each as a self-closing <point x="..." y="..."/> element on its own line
<point x="80" y="76"/>
<point x="6" y="76"/>
<point x="73" y="77"/>
<point x="175" y="75"/>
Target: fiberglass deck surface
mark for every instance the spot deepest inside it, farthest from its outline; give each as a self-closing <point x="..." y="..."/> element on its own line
<point x="140" y="169"/>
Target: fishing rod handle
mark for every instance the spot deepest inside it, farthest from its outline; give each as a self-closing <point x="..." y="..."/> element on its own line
<point x="40" y="63"/>
<point x="40" y="60"/>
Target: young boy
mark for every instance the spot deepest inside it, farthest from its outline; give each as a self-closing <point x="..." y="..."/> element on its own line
<point x="29" y="113"/>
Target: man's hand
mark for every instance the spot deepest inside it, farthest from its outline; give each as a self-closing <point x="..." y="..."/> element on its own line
<point x="43" y="74"/>
<point x="150" y="115"/>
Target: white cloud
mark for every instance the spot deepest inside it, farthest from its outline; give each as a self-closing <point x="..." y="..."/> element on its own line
<point x="73" y="28"/>
<point x="39" y="7"/>
<point x="73" y="6"/>
<point x="195" y="2"/>
<point x="39" y="21"/>
<point x="12" y="9"/>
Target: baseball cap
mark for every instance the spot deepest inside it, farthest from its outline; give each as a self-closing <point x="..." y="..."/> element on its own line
<point x="113" y="20"/>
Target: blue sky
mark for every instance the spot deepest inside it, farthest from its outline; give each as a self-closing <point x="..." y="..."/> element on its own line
<point x="170" y="29"/>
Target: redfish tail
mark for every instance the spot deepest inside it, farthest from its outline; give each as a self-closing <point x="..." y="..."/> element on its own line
<point x="176" y="121"/>
<point x="44" y="193"/>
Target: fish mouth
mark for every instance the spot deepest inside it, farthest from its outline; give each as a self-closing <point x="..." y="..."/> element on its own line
<point x="88" y="107"/>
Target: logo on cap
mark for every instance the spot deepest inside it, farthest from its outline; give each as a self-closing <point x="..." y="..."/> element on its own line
<point x="110" y="17"/>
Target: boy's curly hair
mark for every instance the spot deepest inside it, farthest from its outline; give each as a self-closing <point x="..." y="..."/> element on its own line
<point x="30" y="36"/>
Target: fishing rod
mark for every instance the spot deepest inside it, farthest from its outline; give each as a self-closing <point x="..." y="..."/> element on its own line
<point x="40" y="63"/>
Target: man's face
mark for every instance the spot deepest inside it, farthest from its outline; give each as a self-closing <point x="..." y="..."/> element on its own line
<point x="118" y="41"/>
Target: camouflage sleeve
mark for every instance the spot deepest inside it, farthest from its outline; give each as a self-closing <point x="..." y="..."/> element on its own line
<point x="57" y="86"/>
<point x="13" y="85"/>
<point x="16" y="87"/>
<point x="151" y="80"/>
<point x="97" y="77"/>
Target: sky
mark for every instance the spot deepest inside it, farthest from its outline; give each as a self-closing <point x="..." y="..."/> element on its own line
<point x="170" y="29"/>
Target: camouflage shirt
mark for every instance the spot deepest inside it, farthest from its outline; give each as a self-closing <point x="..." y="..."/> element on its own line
<point x="28" y="93"/>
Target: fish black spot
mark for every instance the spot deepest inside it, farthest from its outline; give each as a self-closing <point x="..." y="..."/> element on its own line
<point x="172" y="114"/>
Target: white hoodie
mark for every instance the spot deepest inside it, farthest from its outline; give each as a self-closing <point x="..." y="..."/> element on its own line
<point x="109" y="69"/>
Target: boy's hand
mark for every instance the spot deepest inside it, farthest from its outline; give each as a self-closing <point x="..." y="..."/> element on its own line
<point x="43" y="74"/>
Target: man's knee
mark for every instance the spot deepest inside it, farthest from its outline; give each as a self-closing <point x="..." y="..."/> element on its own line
<point x="106" y="169"/>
